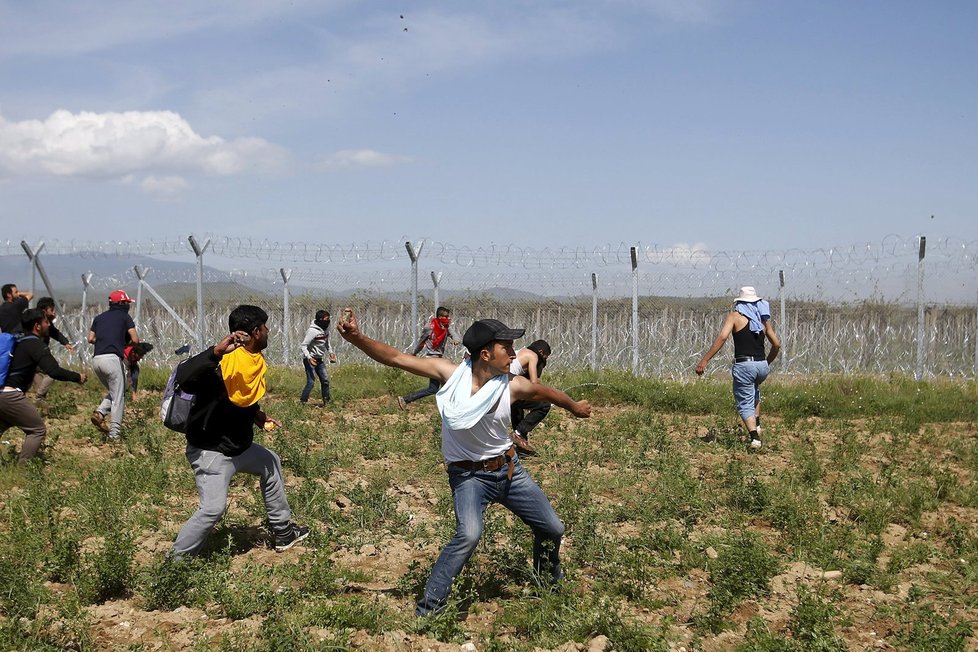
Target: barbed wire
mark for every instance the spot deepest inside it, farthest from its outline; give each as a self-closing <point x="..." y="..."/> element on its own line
<point x="963" y="253"/>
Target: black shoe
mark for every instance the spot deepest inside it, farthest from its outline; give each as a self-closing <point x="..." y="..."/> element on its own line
<point x="292" y="535"/>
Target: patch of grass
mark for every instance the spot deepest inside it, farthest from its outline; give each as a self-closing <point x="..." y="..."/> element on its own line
<point x="742" y="569"/>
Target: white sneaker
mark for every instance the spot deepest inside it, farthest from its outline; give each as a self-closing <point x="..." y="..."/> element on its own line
<point x="755" y="442"/>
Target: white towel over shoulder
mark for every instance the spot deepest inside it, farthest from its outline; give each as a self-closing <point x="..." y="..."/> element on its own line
<point x="459" y="407"/>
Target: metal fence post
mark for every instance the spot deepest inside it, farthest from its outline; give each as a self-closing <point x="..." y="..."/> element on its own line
<point x="919" y="373"/>
<point x="783" y="326"/>
<point x="594" y="321"/>
<point x="36" y="265"/>
<point x="32" y="258"/>
<point x="140" y="273"/>
<point x="82" y="349"/>
<point x="634" y="255"/>
<point x="286" y="321"/>
<point x="435" y="281"/>
<point x="414" y="254"/>
<point x="199" y="252"/>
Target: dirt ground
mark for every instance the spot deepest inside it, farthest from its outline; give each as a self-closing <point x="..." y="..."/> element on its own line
<point x="388" y="557"/>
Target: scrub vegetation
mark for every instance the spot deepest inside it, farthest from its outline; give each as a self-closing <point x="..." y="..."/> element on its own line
<point x="854" y="527"/>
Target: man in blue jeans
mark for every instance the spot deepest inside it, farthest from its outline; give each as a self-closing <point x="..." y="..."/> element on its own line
<point x="483" y="466"/>
<point x="315" y="348"/>
<point x="749" y="322"/>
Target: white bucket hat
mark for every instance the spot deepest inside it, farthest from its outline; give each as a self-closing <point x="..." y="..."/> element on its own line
<point x="748" y="295"/>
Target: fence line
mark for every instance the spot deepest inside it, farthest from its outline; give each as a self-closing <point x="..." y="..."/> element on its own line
<point x="845" y="309"/>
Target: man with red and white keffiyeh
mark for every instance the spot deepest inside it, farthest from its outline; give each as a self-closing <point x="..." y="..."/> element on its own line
<point x="434" y="337"/>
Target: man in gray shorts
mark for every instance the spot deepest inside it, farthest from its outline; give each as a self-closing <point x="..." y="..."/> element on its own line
<point x="111" y="331"/>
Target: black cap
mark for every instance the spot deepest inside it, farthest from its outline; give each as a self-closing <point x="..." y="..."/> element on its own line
<point x="486" y="330"/>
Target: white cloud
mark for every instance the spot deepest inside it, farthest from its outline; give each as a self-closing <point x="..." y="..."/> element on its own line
<point x="113" y="145"/>
<point x="164" y="187"/>
<point x="680" y="253"/>
<point x="363" y="158"/>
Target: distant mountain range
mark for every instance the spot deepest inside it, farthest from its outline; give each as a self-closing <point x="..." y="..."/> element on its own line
<point x="176" y="281"/>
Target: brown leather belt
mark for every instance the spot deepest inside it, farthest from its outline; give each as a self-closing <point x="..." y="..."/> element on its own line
<point x="491" y="464"/>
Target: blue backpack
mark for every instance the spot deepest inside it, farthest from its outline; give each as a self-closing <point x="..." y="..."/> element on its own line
<point x="8" y="342"/>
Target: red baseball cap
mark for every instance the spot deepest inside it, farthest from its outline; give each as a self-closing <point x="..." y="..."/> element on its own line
<point x="119" y="296"/>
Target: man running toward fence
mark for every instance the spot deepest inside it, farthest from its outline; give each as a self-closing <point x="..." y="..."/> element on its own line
<point x="483" y="465"/>
<point x="111" y="331"/>
<point x="749" y="322"/>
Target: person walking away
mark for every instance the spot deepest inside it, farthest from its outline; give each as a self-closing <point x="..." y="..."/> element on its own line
<point x="483" y="465"/>
<point x="750" y="323"/>
<point x="43" y="382"/>
<point x="315" y="348"/>
<point x="30" y="354"/>
<point x="228" y="380"/>
<point x="110" y="332"/>
<point x="434" y="337"/>
<point x="527" y="415"/>
<point x="14" y="303"/>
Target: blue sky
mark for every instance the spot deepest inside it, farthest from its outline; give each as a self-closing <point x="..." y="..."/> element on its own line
<point x="715" y="124"/>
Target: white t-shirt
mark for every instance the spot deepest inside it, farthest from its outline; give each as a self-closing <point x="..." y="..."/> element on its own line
<point x="489" y="437"/>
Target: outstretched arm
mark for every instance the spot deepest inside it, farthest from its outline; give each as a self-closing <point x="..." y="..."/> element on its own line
<point x="435" y="368"/>
<point x="521" y="389"/>
<point x="725" y="330"/>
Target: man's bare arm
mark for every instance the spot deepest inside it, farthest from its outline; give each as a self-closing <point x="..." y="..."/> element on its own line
<point x="385" y="354"/>
<point x="774" y="340"/>
<point x="91" y="337"/>
<point x="533" y="359"/>
<point x="133" y="338"/>
<point x="718" y="343"/>
<point x="522" y="389"/>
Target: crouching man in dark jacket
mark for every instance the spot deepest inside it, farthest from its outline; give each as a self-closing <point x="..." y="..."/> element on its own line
<point x="228" y="380"/>
<point x="30" y="354"/>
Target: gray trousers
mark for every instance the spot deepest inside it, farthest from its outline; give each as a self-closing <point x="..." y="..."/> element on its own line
<point x="213" y="472"/>
<point x="110" y="372"/>
<point x="17" y="411"/>
<point x="42" y="384"/>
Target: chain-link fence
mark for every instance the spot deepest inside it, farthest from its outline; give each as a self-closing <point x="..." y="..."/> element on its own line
<point x="885" y="307"/>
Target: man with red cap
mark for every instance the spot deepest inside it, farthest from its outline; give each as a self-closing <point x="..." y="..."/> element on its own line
<point x="111" y="332"/>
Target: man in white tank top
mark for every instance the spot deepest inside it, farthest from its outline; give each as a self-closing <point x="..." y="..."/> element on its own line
<point x="483" y="466"/>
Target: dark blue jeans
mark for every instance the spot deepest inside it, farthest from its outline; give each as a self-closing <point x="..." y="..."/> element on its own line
<point x="430" y="390"/>
<point x="311" y="373"/>
<point x="472" y="492"/>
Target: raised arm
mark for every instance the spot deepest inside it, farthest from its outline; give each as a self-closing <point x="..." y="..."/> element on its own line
<point x="725" y="331"/>
<point x="436" y="368"/>
<point x="521" y="389"/>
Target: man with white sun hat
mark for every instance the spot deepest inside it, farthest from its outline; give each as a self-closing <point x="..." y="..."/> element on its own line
<point x="750" y="323"/>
